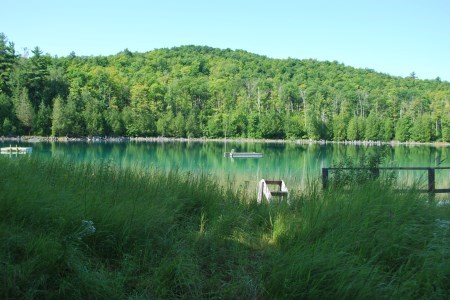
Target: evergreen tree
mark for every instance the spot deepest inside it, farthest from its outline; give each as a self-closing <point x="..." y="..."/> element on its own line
<point x="294" y="127"/>
<point x="446" y="128"/>
<point x="43" y="120"/>
<point x="192" y="128"/>
<point x="388" y="130"/>
<point x="402" y="132"/>
<point x="339" y="128"/>
<point x="421" y="129"/>
<point x="353" y="130"/>
<point x="8" y="59"/>
<point x="58" y="118"/>
<point x="24" y="111"/>
<point x="7" y="128"/>
<point x="372" y="130"/>
<point x="93" y="115"/>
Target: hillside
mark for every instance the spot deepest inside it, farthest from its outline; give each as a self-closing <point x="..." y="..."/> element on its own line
<point x="196" y="91"/>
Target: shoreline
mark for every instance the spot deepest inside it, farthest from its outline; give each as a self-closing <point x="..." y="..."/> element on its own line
<point x="122" y="139"/>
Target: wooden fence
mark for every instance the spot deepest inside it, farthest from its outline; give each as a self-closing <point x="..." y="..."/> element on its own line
<point x="376" y="172"/>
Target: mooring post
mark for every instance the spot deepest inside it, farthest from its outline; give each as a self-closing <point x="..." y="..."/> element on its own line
<point x="324" y="178"/>
<point x="431" y="180"/>
<point x="375" y="172"/>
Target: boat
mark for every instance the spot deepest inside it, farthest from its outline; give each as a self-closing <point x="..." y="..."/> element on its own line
<point x="234" y="154"/>
<point x="15" y="150"/>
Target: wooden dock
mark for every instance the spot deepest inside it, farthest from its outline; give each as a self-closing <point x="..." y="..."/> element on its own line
<point x="234" y="154"/>
<point x="15" y="150"/>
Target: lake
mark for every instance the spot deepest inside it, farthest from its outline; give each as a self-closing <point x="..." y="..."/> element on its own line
<point x="294" y="163"/>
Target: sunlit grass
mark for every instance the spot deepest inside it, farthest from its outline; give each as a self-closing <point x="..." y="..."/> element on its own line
<point x="96" y="231"/>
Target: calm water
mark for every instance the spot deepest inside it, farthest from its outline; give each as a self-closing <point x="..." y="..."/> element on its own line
<point x="291" y="162"/>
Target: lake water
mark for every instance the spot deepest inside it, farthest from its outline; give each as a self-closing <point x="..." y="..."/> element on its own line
<point x="294" y="163"/>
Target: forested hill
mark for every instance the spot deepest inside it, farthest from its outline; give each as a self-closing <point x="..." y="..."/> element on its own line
<point x="194" y="91"/>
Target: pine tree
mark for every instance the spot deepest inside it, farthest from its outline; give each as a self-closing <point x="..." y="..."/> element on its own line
<point x="58" y="118"/>
<point x="24" y="111"/>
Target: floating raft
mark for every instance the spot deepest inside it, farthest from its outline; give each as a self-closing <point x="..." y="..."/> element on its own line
<point x="15" y="150"/>
<point x="233" y="154"/>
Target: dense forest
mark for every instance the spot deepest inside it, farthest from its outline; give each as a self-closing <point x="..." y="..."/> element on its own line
<point x="196" y="91"/>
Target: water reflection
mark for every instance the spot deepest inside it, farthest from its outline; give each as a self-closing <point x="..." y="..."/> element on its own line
<point x="294" y="163"/>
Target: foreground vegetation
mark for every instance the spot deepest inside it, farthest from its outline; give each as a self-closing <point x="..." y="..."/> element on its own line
<point x="194" y="91"/>
<point x="94" y="231"/>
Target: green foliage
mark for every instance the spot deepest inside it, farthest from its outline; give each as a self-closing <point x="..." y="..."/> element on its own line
<point x="354" y="132"/>
<point x="365" y="169"/>
<point x="43" y="121"/>
<point x="422" y="130"/>
<point x="95" y="231"/>
<point x="373" y="128"/>
<point x="216" y="93"/>
<point x="24" y="111"/>
<point x="58" y="118"/>
<point x="446" y="129"/>
<point x="8" y="60"/>
<point x="294" y="127"/>
<point x="402" y="132"/>
<point x="339" y="128"/>
<point x="388" y="130"/>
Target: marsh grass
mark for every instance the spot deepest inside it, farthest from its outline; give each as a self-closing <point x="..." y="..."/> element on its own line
<point x="96" y="231"/>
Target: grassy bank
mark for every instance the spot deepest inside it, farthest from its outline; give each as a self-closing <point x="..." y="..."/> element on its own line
<point x="94" y="231"/>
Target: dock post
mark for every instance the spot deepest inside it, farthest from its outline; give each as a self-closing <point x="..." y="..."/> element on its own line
<point x="324" y="178"/>
<point x="431" y="180"/>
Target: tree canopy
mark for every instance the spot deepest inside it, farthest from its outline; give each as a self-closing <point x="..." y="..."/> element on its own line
<point x="197" y="91"/>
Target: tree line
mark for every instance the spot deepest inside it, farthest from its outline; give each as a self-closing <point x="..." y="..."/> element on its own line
<point x="196" y="91"/>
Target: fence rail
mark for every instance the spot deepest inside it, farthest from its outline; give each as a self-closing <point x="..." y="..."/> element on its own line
<point x="376" y="172"/>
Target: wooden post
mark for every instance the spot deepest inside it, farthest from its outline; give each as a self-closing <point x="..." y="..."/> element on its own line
<point x="324" y="178"/>
<point x="375" y="172"/>
<point x="431" y="180"/>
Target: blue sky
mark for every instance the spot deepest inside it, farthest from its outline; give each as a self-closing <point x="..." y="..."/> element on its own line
<point x="390" y="36"/>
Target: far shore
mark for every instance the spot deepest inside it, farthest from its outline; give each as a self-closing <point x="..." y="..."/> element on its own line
<point x="96" y="139"/>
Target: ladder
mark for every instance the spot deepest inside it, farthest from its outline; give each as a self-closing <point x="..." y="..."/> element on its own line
<point x="263" y="190"/>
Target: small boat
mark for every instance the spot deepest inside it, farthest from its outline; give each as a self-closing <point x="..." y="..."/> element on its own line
<point x="15" y="150"/>
<point x="234" y="154"/>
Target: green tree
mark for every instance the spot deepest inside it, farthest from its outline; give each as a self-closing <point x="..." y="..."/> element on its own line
<point x="178" y="126"/>
<point x="216" y="126"/>
<point x="58" y="118"/>
<point x="93" y="115"/>
<point x="163" y="125"/>
<point x="253" y="126"/>
<point x="402" y="131"/>
<point x="373" y="129"/>
<point x="295" y="127"/>
<point x="353" y="132"/>
<point x="192" y="126"/>
<point x="24" y="111"/>
<point x="339" y="128"/>
<point x="8" y="60"/>
<point x="422" y="129"/>
<point x="114" y="121"/>
<point x="446" y="128"/>
<point x="7" y="128"/>
<point x="388" y="130"/>
<point x="43" y="121"/>
<point x="36" y="76"/>
<point x="272" y="126"/>
<point x="6" y="107"/>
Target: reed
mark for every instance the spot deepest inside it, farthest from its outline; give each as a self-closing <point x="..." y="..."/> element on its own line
<point x="96" y="231"/>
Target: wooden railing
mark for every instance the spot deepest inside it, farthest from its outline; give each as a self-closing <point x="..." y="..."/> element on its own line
<point x="376" y="172"/>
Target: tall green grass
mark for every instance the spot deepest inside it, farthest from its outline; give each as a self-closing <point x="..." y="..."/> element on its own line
<point x="95" y="231"/>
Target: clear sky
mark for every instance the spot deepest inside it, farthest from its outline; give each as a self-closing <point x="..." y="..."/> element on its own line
<point x="397" y="37"/>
